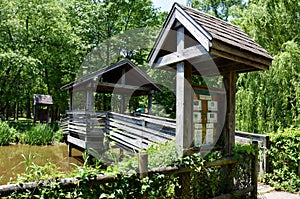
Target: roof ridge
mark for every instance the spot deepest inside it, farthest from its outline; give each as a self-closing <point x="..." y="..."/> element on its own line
<point x="204" y="13"/>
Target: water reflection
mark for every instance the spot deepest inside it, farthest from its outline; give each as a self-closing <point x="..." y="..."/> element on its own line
<point x="11" y="157"/>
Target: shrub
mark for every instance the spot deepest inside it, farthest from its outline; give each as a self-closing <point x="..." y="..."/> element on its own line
<point x="40" y="134"/>
<point x="284" y="155"/>
<point x="6" y="133"/>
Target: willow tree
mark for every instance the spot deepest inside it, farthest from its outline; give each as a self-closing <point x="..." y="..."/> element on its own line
<point x="270" y="100"/>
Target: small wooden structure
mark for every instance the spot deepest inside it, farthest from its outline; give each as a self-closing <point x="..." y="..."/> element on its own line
<point x="86" y="126"/>
<point x="39" y="103"/>
<point x="188" y="43"/>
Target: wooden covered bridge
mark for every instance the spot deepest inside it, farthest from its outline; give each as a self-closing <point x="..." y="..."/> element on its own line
<point x="88" y="125"/>
<point x="192" y="44"/>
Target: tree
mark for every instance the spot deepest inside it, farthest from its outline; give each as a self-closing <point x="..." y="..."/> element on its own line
<point x="217" y="8"/>
<point x="270" y="100"/>
<point x="44" y="43"/>
<point x="38" y="52"/>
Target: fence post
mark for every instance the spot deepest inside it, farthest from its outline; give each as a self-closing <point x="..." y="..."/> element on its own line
<point x="298" y="167"/>
<point x="267" y="162"/>
<point x="143" y="168"/>
<point x="183" y="190"/>
<point x="254" y="171"/>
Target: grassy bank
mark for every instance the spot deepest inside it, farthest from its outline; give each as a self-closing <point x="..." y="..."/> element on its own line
<point x="38" y="134"/>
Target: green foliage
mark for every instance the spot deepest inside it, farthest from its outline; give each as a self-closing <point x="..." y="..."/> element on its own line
<point x="34" y="172"/>
<point x="6" y="133"/>
<point x="269" y="100"/>
<point x="245" y="149"/>
<point x="58" y="136"/>
<point x="218" y="8"/>
<point x="205" y="182"/>
<point x="40" y="134"/>
<point x="284" y="157"/>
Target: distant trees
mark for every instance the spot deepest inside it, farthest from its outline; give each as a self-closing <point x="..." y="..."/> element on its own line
<point x="38" y="53"/>
<point x="43" y="44"/>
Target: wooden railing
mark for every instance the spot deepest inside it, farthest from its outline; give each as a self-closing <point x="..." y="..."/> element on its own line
<point x="263" y="144"/>
<point x="138" y="132"/>
<point x="248" y="186"/>
<point x="86" y="130"/>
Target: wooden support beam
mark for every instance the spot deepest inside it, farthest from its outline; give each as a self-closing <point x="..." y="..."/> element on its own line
<point x="181" y="55"/>
<point x="71" y="100"/>
<point x="184" y="98"/>
<point x="149" y="103"/>
<point x="218" y="45"/>
<point x="89" y="99"/>
<point x="122" y="107"/>
<point x="229" y="80"/>
<point x="241" y="60"/>
<point x="120" y="86"/>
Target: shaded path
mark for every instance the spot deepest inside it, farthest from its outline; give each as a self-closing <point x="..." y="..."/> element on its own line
<point x="268" y="192"/>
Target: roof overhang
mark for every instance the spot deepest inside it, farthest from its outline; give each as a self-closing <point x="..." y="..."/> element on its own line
<point x="224" y="50"/>
<point x="121" y="78"/>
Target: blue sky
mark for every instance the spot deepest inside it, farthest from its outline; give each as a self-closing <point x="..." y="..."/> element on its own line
<point x="166" y="5"/>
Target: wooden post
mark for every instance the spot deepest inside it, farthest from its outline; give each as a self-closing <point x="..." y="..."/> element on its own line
<point x="267" y="162"/>
<point x="70" y="149"/>
<point x="254" y="171"/>
<point x="47" y="119"/>
<point x="229" y="127"/>
<point x="34" y="114"/>
<point x="89" y="99"/>
<point x="71" y="100"/>
<point x="123" y="81"/>
<point x="149" y="103"/>
<point x="122" y="107"/>
<point x="143" y="168"/>
<point x="184" y="99"/>
<point x="143" y="164"/>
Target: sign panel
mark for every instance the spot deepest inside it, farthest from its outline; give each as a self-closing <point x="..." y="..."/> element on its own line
<point x="209" y="136"/>
<point x="212" y="117"/>
<point x="198" y="138"/>
<point x="197" y="105"/>
<point x="197" y="117"/>
<point x="212" y="106"/>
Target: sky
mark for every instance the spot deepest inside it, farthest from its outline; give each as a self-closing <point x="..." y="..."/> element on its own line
<point x="166" y="5"/>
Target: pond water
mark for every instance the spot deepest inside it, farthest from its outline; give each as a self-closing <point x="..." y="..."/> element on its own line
<point x="11" y="158"/>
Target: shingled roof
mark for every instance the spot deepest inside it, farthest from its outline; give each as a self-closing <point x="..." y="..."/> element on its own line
<point x="123" y="77"/>
<point x="226" y="32"/>
<point x="226" y="42"/>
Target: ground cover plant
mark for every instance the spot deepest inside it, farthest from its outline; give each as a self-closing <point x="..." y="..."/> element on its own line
<point x="284" y="156"/>
<point x="6" y="133"/>
<point x="205" y="182"/>
<point x="38" y="134"/>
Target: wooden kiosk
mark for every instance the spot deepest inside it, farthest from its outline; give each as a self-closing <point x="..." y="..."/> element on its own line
<point x="189" y="42"/>
<point x="40" y="102"/>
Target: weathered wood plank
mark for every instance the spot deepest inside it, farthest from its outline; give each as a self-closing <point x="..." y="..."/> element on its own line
<point x="184" y="96"/>
<point x="77" y="142"/>
<point x="139" y="130"/>
<point x="159" y="118"/>
<point x="239" y="59"/>
<point x="229" y="80"/>
<point x="179" y="56"/>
